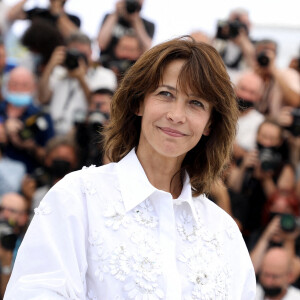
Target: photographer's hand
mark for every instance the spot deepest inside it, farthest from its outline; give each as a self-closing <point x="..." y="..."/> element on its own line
<point x="79" y="74"/>
<point x="247" y="47"/>
<point x="12" y="126"/>
<point x="56" y="7"/>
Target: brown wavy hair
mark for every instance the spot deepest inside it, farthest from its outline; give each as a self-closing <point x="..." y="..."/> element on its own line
<point x="205" y="75"/>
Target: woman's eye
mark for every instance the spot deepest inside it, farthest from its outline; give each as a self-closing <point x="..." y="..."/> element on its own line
<point x="165" y="93"/>
<point x="197" y="103"/>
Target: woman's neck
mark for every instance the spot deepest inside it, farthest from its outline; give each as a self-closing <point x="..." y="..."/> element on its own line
<point x="162" y="172"/>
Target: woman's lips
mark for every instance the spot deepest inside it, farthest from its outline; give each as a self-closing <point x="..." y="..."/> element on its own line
<point x="172" y="132"/>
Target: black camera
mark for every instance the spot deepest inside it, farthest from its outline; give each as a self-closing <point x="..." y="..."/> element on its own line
<point x="132" y="6"/>
<point x="229" y="29"/>
<point x="72" y="59"/>
<point x="8" y="237"/>
<point x="289" y="222"/>
<point x="33" y="125"/>
<point x="295" y="127"/>
<point x="269" y="159"/>
<point x="262" y="59"/>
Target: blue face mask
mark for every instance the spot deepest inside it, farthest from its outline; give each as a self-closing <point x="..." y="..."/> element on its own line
<point x="18" y="99"/>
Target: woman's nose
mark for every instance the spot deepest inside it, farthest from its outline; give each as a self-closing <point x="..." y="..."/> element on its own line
<point x="177" y="113"/>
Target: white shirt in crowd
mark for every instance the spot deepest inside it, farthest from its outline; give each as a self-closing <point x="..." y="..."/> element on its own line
<point x="247" y="129"/>
<point x="68" y="102"/>
<point x="107" y="233"/>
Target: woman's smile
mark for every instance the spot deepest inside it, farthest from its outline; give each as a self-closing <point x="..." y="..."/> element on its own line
<point x="172" y="132"/>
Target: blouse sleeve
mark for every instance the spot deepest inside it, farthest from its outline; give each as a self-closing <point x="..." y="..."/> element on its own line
<point x="51" y="262"/>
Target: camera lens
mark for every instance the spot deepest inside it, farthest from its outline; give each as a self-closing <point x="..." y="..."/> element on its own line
<point x="262" y="59"/>
<point x="287" y="222"/>
<point x="132" y="6"/>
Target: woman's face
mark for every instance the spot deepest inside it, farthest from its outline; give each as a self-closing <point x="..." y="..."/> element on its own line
<point x="172" y="121"/>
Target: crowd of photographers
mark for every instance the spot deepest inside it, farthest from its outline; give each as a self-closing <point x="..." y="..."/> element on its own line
<point x="52" y="111"/>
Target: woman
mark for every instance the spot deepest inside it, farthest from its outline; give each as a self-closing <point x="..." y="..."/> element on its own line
<point x="141" y="227"/>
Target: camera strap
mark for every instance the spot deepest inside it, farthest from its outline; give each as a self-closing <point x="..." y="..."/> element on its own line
<point x="70" y="94"/>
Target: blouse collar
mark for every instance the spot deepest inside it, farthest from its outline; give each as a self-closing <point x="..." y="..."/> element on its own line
<point x="136" y="188"/>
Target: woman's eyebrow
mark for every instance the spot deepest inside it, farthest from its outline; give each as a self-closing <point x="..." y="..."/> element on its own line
<point x="168" y="87"/>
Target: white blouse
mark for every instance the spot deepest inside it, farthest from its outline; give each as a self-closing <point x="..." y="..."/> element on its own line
<point x="107" y="233"/>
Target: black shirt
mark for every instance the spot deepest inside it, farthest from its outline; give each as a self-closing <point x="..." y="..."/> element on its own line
<point x="45" y="14"/>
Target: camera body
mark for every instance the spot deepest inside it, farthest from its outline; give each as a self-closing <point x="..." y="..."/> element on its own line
<point x="269" y="159"/>
<point x="132" y="6"/>
<point x="229" y="29"/>
<point x="72" y="59"/>
<point x="289" y="223"/>
<point x="33" y="125"/>
<point x="262" y="59"/>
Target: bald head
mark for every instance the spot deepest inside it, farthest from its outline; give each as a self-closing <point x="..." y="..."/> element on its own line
<point x="277" y="258"/>
<point x="21" y="80"/>
<point x="249" y="86"/>
<point x="14" y="207"/>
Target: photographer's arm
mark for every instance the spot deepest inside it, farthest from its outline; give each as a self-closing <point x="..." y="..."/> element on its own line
<point x="57" y="58"/>
<point x="237" y="174"/>
<point x="261" y="247"/>
<point x="105" y="33"/>
<point x="285" y="180"/>
<point x="141" y="33"/>
<point x="247" y="47"/>
<point x="65" y="25"/>
<point x="291" y="97"/>
<point x="16" y="12"/>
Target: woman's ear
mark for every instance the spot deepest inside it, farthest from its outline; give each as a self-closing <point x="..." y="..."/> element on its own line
<point x="206" y="130"/>
<point x="140" y="111"/>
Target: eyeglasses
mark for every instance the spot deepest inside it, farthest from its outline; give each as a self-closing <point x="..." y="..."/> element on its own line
<point x="11" y="210"/>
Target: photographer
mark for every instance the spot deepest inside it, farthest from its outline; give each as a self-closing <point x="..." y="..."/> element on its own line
<point x="281" y="86"/>
<point x="14" y="218"/>
<point x="275" y="277"/>
<point x="125" y="54"/>
<point x="248" y="90"/>
<point x="27" y="128"/>
<point x="280" y="211"/>
<point x="54" y="14"/>
<point x="87" y="131"/>
<point x="67" y="79"/>
<point x="124" y="20"/>
<point x="256" y="177"/>
<point x="233" y="41"/>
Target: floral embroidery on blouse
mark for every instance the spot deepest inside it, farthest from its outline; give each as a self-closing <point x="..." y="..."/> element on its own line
<point x="146" y="267"/>
<point x="187" y="228"/>
<point x="116" y="217"/>
<point x="208" y="273"/>
<point x="144" y="215"/>
<point x="43" y="209"/>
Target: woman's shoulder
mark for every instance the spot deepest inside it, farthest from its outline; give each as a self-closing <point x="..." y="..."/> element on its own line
<point x="213" y="216"/>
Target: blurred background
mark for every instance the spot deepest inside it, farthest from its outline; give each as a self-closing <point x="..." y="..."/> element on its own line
<point x="275" y="19"/>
